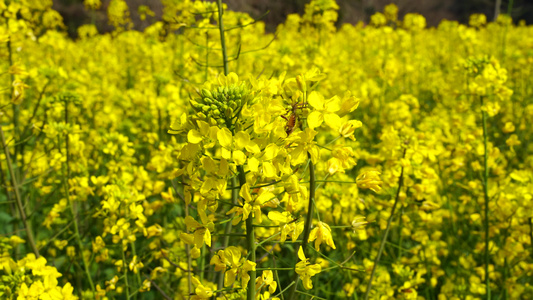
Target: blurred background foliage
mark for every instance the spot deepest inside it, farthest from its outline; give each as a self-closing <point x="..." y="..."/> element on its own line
<point x="351" y="11"/>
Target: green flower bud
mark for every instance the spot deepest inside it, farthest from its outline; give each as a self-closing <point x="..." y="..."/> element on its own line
<point x="195" y="104"/>
<point x="229" y="112"/>
<point x="206" y="93"/>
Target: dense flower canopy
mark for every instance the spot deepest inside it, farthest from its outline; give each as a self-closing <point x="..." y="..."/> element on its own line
<point x="205" y="158"/>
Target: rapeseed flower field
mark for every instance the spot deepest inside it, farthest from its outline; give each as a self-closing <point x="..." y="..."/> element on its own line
<point x="205" y="158"/>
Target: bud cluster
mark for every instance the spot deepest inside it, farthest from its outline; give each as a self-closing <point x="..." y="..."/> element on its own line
<point x="222" y="105"/>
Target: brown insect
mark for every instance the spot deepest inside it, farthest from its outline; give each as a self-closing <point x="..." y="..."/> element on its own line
<point x="292" y="120"/>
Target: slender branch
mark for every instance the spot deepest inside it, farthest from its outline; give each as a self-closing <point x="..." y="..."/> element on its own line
<point x="308" y="219"/>
<point x="384" y="239"/>
<point x="223" y="41"/>
<point x="486" y="195"/>
<point x="163" y="294"/>
<point x="250" y="242"/>
<point x="125" y="266"/>
<point x="72" y="209"/>
<point x="531" y="234"/>
<point x="20" y="207"/>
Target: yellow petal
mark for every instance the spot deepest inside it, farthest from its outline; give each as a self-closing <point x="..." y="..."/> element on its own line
<point x="207" y="238"/>
<point x="232" y="78"/>
<point x="239" y="157"/>
<point x="315" y="119"/>
<point x="241" y="139"/>
<point x="332" y="120"/>
<point x="301" y="254"/>
<point x="245" y="192"/>
<point x="253" y="164"/>
<point x="194" y="137"/>
<point x="316" y="100"/>
<point x="333" y="104"/>
<point x="225" y="138"/>
<point x="269" y="170"/>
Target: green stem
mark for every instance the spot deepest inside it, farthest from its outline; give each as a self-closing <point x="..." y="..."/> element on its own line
<point x="486" y="195"/>
<point x="531" y="234"/>
<point x="283" y="291"/>
<point x="16" y="108"/>
<point x="384" y="239"/>
<point x="125" y="266"/>
<point x="222" y="38"/>
<point x="277" y="276"/>
<point x="308" y="219"/>
<point x="72" y="210"/>
<point x="202" y="263"/>
<point x="250" y="241"/>
<point x="268" y="239"/>
<point x="227" y="229"/>
<point x="138" y="275"/>
<point x="20" y="207"/>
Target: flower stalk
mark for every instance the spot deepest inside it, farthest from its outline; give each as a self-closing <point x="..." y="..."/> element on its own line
<point x="384" y="239"/>
<point x="72" y="208"/>
<point x="486" y="196"/>
<point x="29" y="232"/>
<point x="308" y="220"/>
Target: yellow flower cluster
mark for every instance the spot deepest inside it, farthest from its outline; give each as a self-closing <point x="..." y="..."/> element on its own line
<point x="30" y="277"/>
<point x="205" y="158"/>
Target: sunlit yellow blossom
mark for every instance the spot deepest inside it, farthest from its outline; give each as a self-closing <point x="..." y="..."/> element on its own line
<point x="369" y="180"/>
<point x="321" y="233"/>
<point x="306" y="270"/>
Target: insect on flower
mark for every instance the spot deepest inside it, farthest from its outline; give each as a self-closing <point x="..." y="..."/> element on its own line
<point x="292" y="120"/>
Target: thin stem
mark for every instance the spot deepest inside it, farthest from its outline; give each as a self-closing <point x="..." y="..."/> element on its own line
<point x="531" y="234"/>
<point x="312" y="296"/>
<point x="20" y="207"/>
<point x="283" y="291"/>
<point x="72" y="209"/>
<point x="486" y="195"/>
<point x="163" y="294"/>
<point x="279" y="269"/>
<point x="250" y="242"/>
<point x="384" y="239"/>
<point x="308" y="218"/>
<point x="187" y="249"/>
<point x="227" y="229"/>
<point x="125" y="266"/>
<point x="138" y="275"/>
<point x="222" y="38"/>
<point x="202" y="263"/>
<point x="277" y="276"/>
<point x="268" y="239"/>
